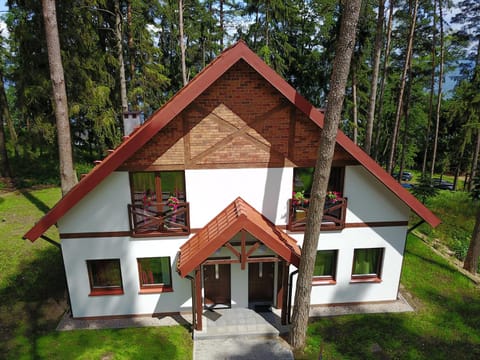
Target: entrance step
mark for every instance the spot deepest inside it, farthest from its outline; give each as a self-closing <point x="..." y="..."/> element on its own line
<point x="224" y="323"/>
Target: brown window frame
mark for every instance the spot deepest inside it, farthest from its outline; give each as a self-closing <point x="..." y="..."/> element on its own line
<point x="372" y="277"/>
<point x="101" y="290"/>
<point x="147" y="288"/>
<point x="327" y="279"/>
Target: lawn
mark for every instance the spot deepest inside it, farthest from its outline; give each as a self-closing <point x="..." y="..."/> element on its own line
<point x="32" y="298"/>
<point x="445" y="325"/>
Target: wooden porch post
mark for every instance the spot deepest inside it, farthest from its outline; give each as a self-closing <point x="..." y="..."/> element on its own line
<point x="285" y="309"/>
<point x="198" y="298"/>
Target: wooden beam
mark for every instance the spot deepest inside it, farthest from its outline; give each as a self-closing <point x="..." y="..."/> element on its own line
<point x="221" y="261"/>
<point x="198" y="298"/>
<point x="244" y="254"/>
<point x="263" y="259"/>
<point x="253" y="248"/>
<point x="233" y="250"/>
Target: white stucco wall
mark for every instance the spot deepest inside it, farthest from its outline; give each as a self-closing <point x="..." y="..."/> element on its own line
<point x="102" y="209"/>
<point x="77" y="251"/>
<point x="391" y="239"/>
<point x="369" y="200"/>
<point x="210" y="191"/>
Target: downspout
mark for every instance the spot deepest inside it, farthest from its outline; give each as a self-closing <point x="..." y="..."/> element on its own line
<point x="414" y="227"/>
<point x="290" y="290"/>
<point x="194" y="298"/>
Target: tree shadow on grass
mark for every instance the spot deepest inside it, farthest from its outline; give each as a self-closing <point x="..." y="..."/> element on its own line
<point x="388" y="336"/>
<point x="443" y="266"/>
<point x="39" y="204"/>
<point x="31" y="303"/>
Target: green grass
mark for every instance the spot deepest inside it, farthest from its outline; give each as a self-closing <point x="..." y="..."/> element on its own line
<point x="446" y="324"/>
<point x="32" y="298"/>
<point x="457" y="212"/>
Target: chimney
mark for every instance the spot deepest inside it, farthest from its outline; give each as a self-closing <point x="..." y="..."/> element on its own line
<point x="131" y="120"/>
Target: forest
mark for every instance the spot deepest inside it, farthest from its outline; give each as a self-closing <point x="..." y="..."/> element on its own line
<point x="412" y="99"/>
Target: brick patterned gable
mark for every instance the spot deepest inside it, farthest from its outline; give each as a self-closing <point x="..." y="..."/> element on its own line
<point x="241" y="120"/>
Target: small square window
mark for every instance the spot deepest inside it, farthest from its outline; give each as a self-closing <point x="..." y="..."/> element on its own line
<point x="367" y="264"/>
<point x="105" y="277"/>
<point x="325" y="267"/>
<point x="155" y="274"/>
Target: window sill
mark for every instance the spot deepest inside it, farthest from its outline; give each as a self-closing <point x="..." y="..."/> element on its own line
<point x="106" y="292"/>
<point x="155" y="290"/>
<point x="316" y="282"/>
<point x="360" y="280"/>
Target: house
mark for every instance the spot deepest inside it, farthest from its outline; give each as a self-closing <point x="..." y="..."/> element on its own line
<point x="195" y="208"/>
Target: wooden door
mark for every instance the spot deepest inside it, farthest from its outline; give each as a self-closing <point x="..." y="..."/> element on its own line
<point x="260" y="282"/>
<point x="217" y="285"/>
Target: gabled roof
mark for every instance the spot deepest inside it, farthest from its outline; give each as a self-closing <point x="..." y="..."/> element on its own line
<point x="237" y="216"/>
<point x="186" y="96"/>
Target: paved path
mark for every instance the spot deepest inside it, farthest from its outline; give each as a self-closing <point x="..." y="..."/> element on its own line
<point x="242" y="348"/>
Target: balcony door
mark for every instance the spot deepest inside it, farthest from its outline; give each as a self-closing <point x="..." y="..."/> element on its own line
<point x="149" y="189"/>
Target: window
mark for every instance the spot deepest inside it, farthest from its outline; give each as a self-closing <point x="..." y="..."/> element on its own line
<point x="325" y="267"/>
<point x="105" y="277"/>
<point x="149" y="188"/>
<point x="155" y="274"/>
<point x="367" y="264"/>
<point x="303" y="179"/>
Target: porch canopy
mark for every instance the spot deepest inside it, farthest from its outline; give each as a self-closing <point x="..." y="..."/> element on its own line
<point x="237" y="216"/>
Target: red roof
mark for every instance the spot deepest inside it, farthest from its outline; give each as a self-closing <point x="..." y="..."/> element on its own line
<point x="181" y="100"/>
<point x="237" y="216"/>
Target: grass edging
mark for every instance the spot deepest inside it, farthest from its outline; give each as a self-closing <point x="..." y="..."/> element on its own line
<point x="451" y="260"/>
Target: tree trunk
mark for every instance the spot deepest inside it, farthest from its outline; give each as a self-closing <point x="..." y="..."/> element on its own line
<point x="182" y="42"/>
<point x="432" y="88"/>
<point x="222" y="24"/>
<point x="68" y="177"/>
<point x="119" y="38"/>
<point x="403" y="80"/>
<point x="131" y="44"/>
<point x="4" y="118"/>
<point x="474" y="161"/>
<point x="384" y="79"/>
<point x="407" y="118"/>
<point x="440" y="85"/>
<point x="377" y="52"/>
<point x="355" y="107"/>
<point x="471" y="260"/>
<point x="338" y="81"/>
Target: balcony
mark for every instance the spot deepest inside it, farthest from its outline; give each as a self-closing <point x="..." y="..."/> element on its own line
<point x="333" y="215"/>
<point x="159" y="219"/>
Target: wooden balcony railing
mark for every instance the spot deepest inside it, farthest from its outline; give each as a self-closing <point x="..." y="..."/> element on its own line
<point x="333" y="215"/>
<point x="159" y="219"/>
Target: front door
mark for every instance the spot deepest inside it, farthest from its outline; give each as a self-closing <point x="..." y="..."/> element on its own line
<point x="216" y="285"/>
<point x="260" y="283"/>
